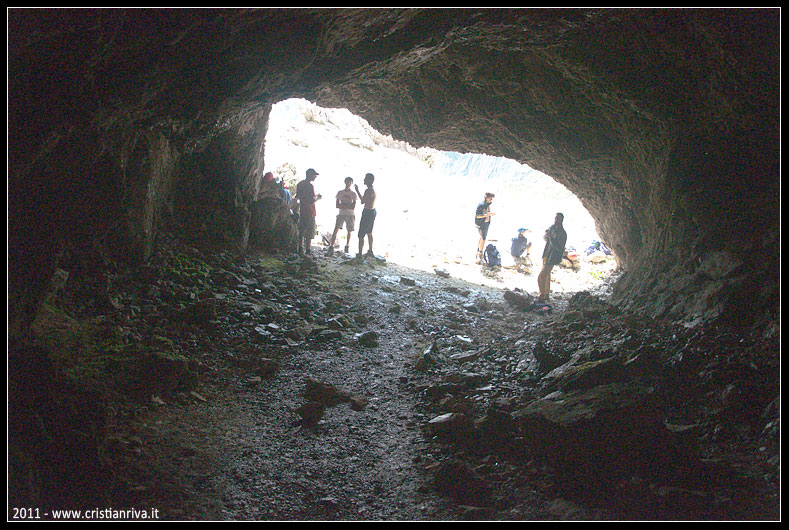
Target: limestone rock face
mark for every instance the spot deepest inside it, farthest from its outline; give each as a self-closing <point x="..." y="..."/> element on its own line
<point x="663" y="122"/>
<point x="271" y="225"/>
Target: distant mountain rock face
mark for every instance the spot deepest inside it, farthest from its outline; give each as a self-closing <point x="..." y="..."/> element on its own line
<point x="493" y="167"/>
<point x="341" y="124"/>
<point x="665" y="123"/>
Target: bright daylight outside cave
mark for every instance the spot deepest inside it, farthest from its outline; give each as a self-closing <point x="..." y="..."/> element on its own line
<point x="185" y="343"/>
<point x="428" y="201"/>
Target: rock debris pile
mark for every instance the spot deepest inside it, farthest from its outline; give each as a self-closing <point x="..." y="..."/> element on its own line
<point x="283" y="388"/>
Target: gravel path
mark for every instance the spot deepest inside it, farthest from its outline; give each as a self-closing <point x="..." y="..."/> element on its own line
<point x="232" y="451"/>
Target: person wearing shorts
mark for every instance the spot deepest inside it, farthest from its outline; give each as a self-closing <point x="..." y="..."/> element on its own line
<point x="482" y="221"/>
<point x="368" y="215"/>
<point x="346" y="202"/>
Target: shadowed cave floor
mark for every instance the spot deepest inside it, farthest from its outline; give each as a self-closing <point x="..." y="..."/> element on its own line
<point x="389" y="349"/>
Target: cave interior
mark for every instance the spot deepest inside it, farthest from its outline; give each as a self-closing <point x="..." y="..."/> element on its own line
<point x="130" y="128"/>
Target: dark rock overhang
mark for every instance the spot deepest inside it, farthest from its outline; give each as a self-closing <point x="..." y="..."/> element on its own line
<point x="665" y="123"/>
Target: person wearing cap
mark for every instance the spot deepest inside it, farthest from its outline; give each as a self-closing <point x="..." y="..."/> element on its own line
<point x="555" y="239"/>
<point x="305" y="194"/>
<point x="521" y="244"/>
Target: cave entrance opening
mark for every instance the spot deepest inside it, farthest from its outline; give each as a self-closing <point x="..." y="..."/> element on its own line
<point x="427" y="199"/>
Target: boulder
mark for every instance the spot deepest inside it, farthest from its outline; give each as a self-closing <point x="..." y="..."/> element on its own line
<point x="266" y="367"/>
<point x="453" y="425"/>
<point x="271" y="225"/>
<point x="589" y="374"/>
<point x="367" y="338"/>
<point x="324" y="393"/>
<point x="604" y="432"/>
<point x="547" y="360"/>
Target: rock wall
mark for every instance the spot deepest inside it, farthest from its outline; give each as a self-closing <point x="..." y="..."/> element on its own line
<point x="663" y="122"/>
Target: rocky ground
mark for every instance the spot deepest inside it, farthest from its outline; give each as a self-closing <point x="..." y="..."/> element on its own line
<point x="218" y="387"/>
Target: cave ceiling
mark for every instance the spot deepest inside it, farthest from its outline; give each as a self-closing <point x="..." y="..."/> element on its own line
<point x="664" y="122"/>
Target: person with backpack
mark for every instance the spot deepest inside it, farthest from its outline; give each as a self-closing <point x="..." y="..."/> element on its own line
<point x="555" y="239"/>
<point x="482" y="221"/>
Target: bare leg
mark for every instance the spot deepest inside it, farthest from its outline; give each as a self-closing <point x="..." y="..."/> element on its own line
<point x="544" y="282"/>
<point x="370" y="244"/>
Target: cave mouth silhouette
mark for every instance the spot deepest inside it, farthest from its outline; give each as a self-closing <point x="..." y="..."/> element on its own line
<point x="426" y="198"/>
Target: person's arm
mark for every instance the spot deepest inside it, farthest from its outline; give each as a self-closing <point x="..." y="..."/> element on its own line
<point x="562" y="239"/>
<point x="356" y="187"/>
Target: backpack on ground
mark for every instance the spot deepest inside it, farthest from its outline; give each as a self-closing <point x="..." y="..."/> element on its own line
<point x="492" y="256"/>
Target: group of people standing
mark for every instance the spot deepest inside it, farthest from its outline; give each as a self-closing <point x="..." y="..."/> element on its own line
<point x="555" y="240"/>
<point x="305" y="198"/>
<point x="345" y="202"/>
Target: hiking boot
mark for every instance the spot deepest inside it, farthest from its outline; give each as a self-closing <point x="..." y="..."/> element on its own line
<point x="330" y="252"/>
<point x="347" y="249"/>
<point x="369" y="254"/>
